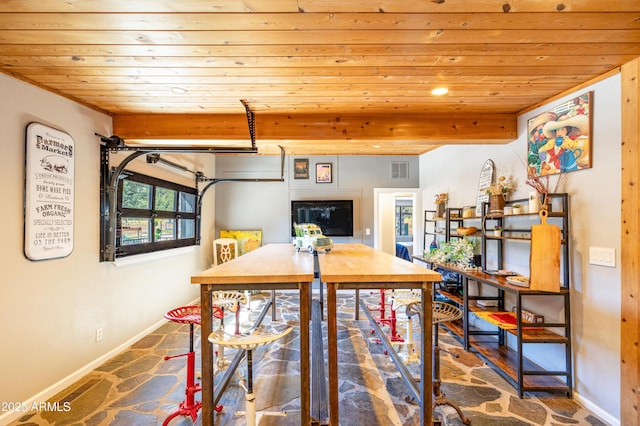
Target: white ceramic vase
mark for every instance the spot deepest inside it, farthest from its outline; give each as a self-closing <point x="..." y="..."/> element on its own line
<point x="534" y="202"/>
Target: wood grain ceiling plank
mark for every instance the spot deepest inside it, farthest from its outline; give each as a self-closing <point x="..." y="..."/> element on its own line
<point x="336" y="72"/>
<point x="464" y="6"/>
<point x="397" y="90"/>
<point x="314" y="21"/>
<point x="262" y="75"/>
<point x="388" y="6"/>
<point x="390" y="37"/>
<point x="303" y="95"/>
<point x="532" y="50"/>
<point x="150" y="6"/>
<point x="202" y="83"/>
<point x="408" y="6"/>
<point x="481" y="63"/>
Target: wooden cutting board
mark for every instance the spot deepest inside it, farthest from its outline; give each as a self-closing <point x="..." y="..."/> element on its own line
<point x="544" y="261"/>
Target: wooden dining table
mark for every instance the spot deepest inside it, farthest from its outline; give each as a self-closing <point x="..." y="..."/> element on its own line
<point x="346" y="267"/>
<point x="359" y="267"/>
<point x="271" y="267"/>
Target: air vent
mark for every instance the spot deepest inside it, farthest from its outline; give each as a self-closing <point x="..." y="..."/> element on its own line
<point x="399" y="170"/>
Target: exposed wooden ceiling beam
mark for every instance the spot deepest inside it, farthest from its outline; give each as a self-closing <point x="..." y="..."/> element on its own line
<point x="418" y="131"/>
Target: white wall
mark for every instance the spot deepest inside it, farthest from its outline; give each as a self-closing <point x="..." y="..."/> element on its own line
<point x="595" y="221"/>
<point x="267" y="206"/>
<point x="49" y="310"/>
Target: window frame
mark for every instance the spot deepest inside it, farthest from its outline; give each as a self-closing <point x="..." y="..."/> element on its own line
<point x="152" y="214"/>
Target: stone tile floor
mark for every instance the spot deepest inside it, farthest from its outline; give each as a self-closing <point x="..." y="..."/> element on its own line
<point x="138" y="387"/>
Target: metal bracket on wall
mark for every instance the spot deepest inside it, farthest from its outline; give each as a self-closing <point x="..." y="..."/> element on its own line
<point x="109" y="178"/>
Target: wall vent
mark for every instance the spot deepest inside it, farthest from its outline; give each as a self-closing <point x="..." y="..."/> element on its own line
<point x="399" y="170"/>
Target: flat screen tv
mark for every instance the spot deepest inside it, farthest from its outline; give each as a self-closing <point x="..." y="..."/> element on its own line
<point x="334" y="217"/>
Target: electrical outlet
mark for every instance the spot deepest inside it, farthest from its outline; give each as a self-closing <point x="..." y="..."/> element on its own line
<point x="99" y="334"/>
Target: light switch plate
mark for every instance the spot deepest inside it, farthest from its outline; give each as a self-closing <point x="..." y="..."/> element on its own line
<point x="602" y="256"/>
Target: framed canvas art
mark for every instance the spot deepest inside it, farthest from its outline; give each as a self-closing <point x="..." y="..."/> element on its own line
<point x="247" y="240"/>
<point x="559" y="140"/>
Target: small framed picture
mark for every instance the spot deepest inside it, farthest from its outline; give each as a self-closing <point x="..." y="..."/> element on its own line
<point x="323" y="173"/>
<point x="301" y="168"/>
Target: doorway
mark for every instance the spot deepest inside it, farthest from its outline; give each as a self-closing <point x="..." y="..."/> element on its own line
<point x="396" y="219"/>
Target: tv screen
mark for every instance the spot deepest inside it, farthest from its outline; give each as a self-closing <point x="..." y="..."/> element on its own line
<point x="334" y="217"/>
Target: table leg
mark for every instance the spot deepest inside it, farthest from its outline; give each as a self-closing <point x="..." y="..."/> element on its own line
<point x="465" y="311"/>
<point x="332" y="351"/>
<point x="273" y="305"/>
<point x="426" y="388"/>
<point x="206" y="354"/>
<point x="305" y="385"/>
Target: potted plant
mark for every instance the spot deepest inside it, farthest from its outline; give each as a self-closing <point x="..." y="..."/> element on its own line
<point x="517" y="208"/>
<point x="440" y="202"/>
<point x="497" y="193"/>
<point x="459" y="253"/>
<point x="497" y="231"/>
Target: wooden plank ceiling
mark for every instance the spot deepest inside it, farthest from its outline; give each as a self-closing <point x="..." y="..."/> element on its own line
<point x="322" y="76"/>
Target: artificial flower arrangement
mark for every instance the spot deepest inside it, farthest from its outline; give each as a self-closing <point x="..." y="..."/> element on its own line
<point x="503" y="186"/>
<point x="441" y="198"/>
<point x="457" y="252"/>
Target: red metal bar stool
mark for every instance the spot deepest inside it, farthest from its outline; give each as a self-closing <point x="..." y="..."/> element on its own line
<point x="391" y="321"/>
<point x="189" y="315"/>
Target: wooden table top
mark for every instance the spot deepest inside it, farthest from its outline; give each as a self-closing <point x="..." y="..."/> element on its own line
<point x="272" y="263"/>
<point x="361" y="263"/>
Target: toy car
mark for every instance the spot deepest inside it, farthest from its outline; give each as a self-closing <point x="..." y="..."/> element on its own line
<point x="309" y="236"/>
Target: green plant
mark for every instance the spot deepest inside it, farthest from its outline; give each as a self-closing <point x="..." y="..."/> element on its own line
<point x="457" y="252"/>
<point x="516" y="206"/>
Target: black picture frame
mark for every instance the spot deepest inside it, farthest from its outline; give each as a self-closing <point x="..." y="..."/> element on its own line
<point x="301" y="168"/>
<point x="324" y="173"/>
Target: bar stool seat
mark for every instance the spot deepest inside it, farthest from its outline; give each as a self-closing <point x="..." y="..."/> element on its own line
<point x="227" y="300"/>
<point x="248" y="343"/>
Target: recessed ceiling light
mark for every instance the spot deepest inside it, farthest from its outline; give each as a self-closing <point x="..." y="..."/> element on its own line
<point x="178" y="90"/>
<point x="376" y="146"/>
<point x="439" y="91"/>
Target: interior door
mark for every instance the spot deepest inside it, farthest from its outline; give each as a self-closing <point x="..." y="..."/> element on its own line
<point x="386" y="229"/>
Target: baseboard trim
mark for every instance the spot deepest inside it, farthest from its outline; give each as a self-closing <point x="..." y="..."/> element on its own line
<point x="589" y="405"/>
<point x="64" y="383"/>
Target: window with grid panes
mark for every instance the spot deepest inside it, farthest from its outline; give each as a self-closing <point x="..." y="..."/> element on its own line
<point x="154" y="214"/>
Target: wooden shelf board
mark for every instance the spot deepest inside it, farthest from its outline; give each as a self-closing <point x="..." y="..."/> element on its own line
<point x="454" y="297"/>
<point x="473" y="307"/>
<point x="506" y="360"/>
<point x="540" y="336"/>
